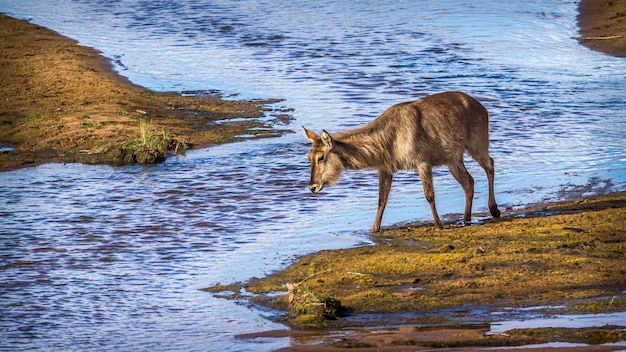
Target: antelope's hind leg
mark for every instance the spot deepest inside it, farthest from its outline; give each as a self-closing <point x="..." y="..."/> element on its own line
<point x="493" y="206"/>
<point x="466" y="180"/>
<point x="479" y="150"/>
<point x="487" y="164"/>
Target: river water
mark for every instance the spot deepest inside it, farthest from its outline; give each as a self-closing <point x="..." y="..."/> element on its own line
<point x="112" y="258"/>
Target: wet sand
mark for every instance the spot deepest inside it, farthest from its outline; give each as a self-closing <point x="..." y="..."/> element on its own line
<point x="62" y="102"/>
<point x="603" y="26"/>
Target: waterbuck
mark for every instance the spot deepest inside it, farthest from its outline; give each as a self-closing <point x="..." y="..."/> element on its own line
<point x="432" y="131"/>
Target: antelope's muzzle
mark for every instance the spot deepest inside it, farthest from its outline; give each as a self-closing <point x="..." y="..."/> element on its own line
<point x="315" y="188"/>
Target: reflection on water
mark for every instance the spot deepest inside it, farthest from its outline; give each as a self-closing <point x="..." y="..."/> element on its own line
<point x="101" y="256"/>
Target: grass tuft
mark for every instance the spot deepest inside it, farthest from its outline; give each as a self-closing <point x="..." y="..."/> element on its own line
<point x="148" y="148"/>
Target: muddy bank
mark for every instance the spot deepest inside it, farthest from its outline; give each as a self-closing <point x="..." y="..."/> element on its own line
<point x="603" y="26"/>
<point x="568" y="254"/>
<point x="63" y="102"/>
<point x="452" y="338"/>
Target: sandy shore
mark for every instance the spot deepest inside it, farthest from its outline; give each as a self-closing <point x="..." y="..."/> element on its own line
<point x="603" y="26"/>
<point x="62" y="102"/>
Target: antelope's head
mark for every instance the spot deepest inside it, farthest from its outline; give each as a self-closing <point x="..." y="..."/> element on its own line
<point x="326" y="164"/>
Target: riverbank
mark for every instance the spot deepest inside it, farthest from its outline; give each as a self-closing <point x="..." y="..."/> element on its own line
<point x="62" y="102"/>
<point x="421" y="284"/>
<point x="603" y="26"/>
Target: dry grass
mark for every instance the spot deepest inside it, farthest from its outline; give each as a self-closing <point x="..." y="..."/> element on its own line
<point x="62" y="102"/>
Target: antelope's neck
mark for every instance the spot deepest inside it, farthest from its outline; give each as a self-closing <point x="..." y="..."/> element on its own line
<point x="362" y="150"/>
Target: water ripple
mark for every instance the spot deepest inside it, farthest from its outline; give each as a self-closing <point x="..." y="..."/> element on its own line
<point x="96" y="256"/>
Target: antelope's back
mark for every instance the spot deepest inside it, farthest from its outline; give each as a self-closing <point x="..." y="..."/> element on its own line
<point x="451" y="113"/>
<point x="445" y="124"/>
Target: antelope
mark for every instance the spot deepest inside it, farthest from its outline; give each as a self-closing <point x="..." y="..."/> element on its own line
<point x="432" y="131"/>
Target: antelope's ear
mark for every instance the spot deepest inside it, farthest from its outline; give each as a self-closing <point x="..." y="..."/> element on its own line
<point x="312" y="136"/>
<point x="327" y="139"/>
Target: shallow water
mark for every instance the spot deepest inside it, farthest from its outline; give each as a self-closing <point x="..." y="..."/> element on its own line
<point x="577" y="321"/>
<point x="96" y="256"/>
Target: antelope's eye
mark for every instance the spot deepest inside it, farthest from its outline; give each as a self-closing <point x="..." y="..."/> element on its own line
<point x="320" y="158"/>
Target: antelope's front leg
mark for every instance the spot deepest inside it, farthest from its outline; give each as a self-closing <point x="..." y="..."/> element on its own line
<point x="384" y="185"/>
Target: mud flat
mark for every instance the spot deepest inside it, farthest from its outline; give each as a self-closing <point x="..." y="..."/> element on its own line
<point x="603" y="26"/>
<point x="415" y="284"/>
<point x="62" y="102"/>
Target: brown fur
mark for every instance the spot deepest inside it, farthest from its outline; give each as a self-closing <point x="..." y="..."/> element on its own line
<point x="432" y="131"/>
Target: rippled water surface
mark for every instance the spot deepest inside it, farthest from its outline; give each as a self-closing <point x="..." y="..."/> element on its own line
<point x="96" y="257"/>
